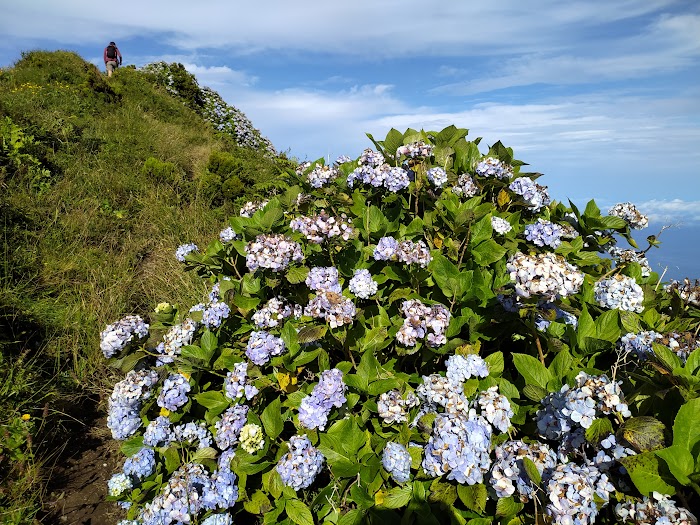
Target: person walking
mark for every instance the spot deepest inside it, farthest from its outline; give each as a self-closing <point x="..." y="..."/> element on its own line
<point x="112" y="58"/>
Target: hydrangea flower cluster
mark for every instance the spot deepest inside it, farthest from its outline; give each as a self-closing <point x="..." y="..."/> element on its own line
<point x="228" y="428"/>
<point x="342" y="159"/>
<point x="459" y="446"/>
<point x="687" y="290"/>
<point x="236" y="383"/>
<point x="415" y="149"/>
<point x="508" y="474"/>
<point x="682" y="344"/>
<point x="193" y="433"/>
<point x="335" y="308"/>
<point x="362" y="284"/>
<point x="274" y="312"/>
<point x="328" y="393"/>
<point x="371" y="158"/>
<point x="322" y="175"/>
<point x="302" y="167"/>
<point x="620" y="292"/>
<point x="228" y="235"/>
<point x="466" y="186"/>
<point x="142" y="464"/>
<point x="118" y="484"/>
<point x="630" y="213"/>
<point x="251" y="438"/>
<point x="543" y="233"/>
<point x="438" y="391"/>
<point x="218" y="519"/>
<point x="493" y="167"/>
<point x="174" y="392"/>
<point x="573" y="408"/>
<point x="213" y="313"/>
<point x="495" y="408"/>
<point x="657" y="509"/>
<point x="545" y="274"/>
<point x="324" y="279"/>
<point x="185" y="249"/>
<point x="541" y="323"/>
<point x="393" y="408"/>
<point x="178" y="336"/>
<point x="249" y="208"/>
<point x="299" y="467"/>
<point x="422" y="321"/>
<point x="640" y="344"/>
<point x="263" y="346"/>
<point x="392" y="178"/>
<point x="630" y="256"/>
<point x="572" y="491"/>
<point x="409" y="252"/>
<point x="272" y="251"/>
<point x="321" y="227"/>
<point x="500" y="226"/>
<point x="397" y="461"/>
<point x="123" y="417"/>
<point x="118" y="335"/>
<point x="533" y="194"/>
<point x="158" y="433"/>
<point x="437" y="176"/>
<point x="462" y="367"/>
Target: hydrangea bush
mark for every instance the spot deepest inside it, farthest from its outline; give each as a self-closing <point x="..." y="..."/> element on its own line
<point x="420" y="335"/>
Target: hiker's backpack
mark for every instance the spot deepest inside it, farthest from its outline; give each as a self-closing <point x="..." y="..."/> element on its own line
<point x="111" y="52"/>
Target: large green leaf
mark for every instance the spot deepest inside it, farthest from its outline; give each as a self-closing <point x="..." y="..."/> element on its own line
<point x="532" y="370"/>
<point x="397" y="497"/>
<point x="272" y="418"/>
<point x="646" y="474"/>
<point x="686" y="427"/>
<point x="488" y="252"/>
<point x="473" y="496"/>
<point x="680" y="462"/>
<point x="298" y="512"/>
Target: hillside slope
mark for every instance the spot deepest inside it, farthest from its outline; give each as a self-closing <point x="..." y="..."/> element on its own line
<point x="101" y="180"/>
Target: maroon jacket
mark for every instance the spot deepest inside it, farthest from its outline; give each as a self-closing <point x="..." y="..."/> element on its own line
<point x="117" y="59"/>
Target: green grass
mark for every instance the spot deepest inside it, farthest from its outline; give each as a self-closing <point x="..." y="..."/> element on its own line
<point x="89" y="236"/>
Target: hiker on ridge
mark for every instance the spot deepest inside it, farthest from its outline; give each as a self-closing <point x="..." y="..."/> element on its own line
<point x="112" y="58"/>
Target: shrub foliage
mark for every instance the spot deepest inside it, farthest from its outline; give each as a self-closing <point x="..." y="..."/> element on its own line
<point x="419" y="335"/>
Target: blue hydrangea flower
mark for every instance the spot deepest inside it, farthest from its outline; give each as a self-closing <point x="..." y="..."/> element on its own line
<point x="183" y="250"/>
<point x="328" y="393"/>
<point x="158" y="432"/>
<point x="460" y="368"/>
<point x="544" y="233"/>
<point x="228" y="235"/>
<point x="299" y="467"/>
<point x="362" y="284"/>
<point x="174" y="392"/>
<point x="437" y="176"/>
<point x="397" y="461"/>
<point x="262" y="346"/>
<point x="323" y="279"/>
<point x="118" y="335"/>
<point x="118" y="484"/>
<point x="193" y="433"/>
<point x="142" y="464"/>
<point x="228" y="428"/>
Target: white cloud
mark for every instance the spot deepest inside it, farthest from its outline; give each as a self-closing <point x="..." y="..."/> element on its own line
<point x="671" y="211"/>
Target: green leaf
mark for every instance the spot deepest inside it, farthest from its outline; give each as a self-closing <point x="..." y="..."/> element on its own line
<point x="680" y="462"/>
<point x="209" y="343"/>
<point x="297" y="275"/>
<point x="204" y="453"/>
<point x="686" y="427"/>
<point x="258" y="503"/>
<point x="195" y="352"/>
<point x="442" y="492"/>
<point x="245" y="303"/>
<point x="172" y="459"/>
<point x="599" y="430"/>
<point x="309" y="334"/>
<point x="298" y="512"/>
<point x="531" y="470"/>
<point x="481" y="230"/>
<point x="290" y="337"/>
<point x="532" y="370"/>
<point x="496" y="363"/>
<point x="214" y="401"/>
<point x="473" y="496"/>
<point x="383" y="385"/>
<point x="666" y="357"/>
<point x="397" y="497"/>
<point x="561" y="365"/>
<point x="607" y="326"/>
<point x="446" y="276"/>
<point x="352" y="517"/>
<point x="132" y="445"/>
<point x="535" y="393"/>
<point x="272" y="418"/>
<point x="488" y="252"/>
<point x="508" y="507"/>
<point x="646" y="475"/>
<point x="643" y="433"/>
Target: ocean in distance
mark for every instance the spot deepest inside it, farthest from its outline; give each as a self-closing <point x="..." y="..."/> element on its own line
<point x="678" y="254"/>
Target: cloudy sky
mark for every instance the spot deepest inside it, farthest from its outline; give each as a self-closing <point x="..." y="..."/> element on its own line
<point x="602" y="96"/>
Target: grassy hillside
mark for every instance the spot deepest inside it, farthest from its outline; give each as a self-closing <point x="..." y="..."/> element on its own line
<point x="101" y="180"/>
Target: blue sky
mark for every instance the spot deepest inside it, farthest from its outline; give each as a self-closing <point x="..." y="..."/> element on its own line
<point x="603" y="97"/>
